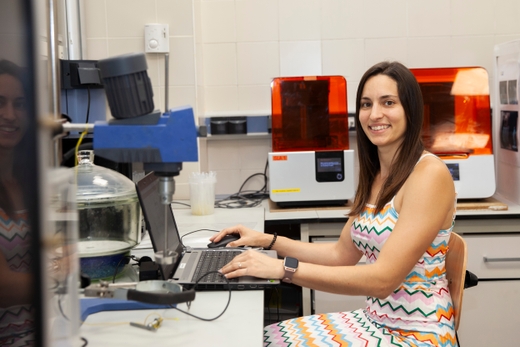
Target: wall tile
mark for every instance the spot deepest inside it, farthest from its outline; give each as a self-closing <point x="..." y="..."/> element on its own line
<point x="382" y="18"/>
<point x="181" y="61"/>
<point x="257" y="20"/>
<point x="227" y="182"/>
<point x="177" y="96"/>
<point x="220" y="64"/>
<point x="472" y="17"/>
<point x="429" y="52"/>
<point x="473" y="51"/>
<point x="197" y="18"/>
<point x="300" y="58"/>
<point x="255" y="98"/>
<point x="506" y="38"/>
<point x="429" y="18"/>
<point x="299" y="20"/>
<point x="377" y="50"/>
<point x="258" y="62"/>
<point x="344" y="58"/>
<point x="127" y="18"/>
<point x="352" y="86"/>
<point x="341" y="19"/>
<point x="507" y="14"/>
<point x="96" y="49"/>
<point x="221" y="99"/>
<point x="96" y="25"/>
<point x="218" y="21"/>
<point x="178" y="14"/>
<point x="119" y="46"/>
<point x="253" y="153"/>
<point x="223" y="155"/>
<point x="201" y="101"/>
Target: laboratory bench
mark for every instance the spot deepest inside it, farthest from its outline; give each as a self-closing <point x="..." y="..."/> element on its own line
<point x="241" y="324"/>
<point x="490" y="310"/>
<point x="489" y="314"/>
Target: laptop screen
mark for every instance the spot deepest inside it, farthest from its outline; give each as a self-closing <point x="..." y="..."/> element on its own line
<point x="156" y="215"/>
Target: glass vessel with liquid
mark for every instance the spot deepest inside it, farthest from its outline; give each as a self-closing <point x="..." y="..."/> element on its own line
<point x="109" y="217"/>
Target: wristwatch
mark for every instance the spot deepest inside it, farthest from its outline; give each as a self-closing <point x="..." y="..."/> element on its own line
<point x="290" y="266"/>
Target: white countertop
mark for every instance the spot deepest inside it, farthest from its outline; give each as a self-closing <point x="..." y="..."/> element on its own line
<point x="241" y="324"/>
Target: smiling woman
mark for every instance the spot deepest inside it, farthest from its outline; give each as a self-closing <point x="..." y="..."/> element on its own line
<point x="16" y="309"/>
<point x="401" y="221"/>
<point x="12" y="106"/>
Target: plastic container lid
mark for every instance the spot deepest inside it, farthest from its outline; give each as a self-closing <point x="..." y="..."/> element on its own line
<point x="97" y="184"/>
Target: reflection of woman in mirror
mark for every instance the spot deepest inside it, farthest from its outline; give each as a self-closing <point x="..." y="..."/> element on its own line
<point x="16" y="310"/>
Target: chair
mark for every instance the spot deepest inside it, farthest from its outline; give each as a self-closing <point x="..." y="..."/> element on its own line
<point x="456" y="272"/>
<point x="458" y="277"/>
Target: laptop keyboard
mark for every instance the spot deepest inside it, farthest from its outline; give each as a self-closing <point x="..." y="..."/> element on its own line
<point x="214" y="261"/>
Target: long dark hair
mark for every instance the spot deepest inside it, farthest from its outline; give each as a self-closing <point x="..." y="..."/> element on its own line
<point x="410" y="149"/>
<point x="9" y="68"/>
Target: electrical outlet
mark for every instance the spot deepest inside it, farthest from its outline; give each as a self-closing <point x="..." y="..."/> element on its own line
<point x="351" y="123"/>
<point x="157" y="38"/>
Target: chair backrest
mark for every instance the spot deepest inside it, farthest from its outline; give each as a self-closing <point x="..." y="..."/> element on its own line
<point x="456" y="272"/>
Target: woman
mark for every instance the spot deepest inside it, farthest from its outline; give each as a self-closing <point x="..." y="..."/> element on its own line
<point x="401" y="220"/>
<point x="16" y="311"/>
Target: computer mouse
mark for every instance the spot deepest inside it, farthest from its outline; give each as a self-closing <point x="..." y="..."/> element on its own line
<point x="224" y="241"/>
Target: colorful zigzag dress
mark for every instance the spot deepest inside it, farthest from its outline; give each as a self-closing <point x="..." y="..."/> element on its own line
<point x="16" y="322"/>
<point x="418" y="313"/>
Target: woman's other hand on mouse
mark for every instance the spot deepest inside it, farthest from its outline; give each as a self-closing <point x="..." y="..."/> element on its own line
<point x="248" y="237"/>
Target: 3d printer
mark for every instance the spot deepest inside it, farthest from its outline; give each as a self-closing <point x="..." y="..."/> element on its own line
<point x="310" y="163"/>
<point x="457" y="126"/>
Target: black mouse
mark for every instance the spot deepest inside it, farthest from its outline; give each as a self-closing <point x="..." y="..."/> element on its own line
<point x="224" y="241"/>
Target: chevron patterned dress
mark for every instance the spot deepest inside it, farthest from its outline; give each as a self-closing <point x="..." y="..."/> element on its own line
<point x="16" y="322"/>
<point x="418" y="313"/>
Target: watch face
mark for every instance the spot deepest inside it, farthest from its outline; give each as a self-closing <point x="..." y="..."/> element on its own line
<point x="291" y="262"/>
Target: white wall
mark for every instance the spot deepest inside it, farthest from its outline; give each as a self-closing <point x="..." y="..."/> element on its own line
<point x="224" y="53"/>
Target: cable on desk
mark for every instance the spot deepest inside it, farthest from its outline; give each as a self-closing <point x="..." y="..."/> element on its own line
<point x="127" y="259"/>
<point x="181" y="203"/>
<point x="225" y="308"/>
<point x="198" y="230"/>
<point x="246" y="199"/>
<point x="278" y="300"/>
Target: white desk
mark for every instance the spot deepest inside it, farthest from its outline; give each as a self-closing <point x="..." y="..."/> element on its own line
<point x="241" y="324"/>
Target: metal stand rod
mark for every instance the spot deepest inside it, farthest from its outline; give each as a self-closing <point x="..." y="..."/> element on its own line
<point x="166" y="80"/>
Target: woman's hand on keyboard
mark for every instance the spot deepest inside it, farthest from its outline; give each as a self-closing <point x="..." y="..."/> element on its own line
<point x="254" y="263"/>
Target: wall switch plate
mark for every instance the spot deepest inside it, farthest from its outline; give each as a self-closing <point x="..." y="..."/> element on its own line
<point x="157" y="38"/>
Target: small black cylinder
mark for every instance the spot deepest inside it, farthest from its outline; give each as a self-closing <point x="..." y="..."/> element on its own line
<point x="237" y="125"/>
<point x="219" y="125"/>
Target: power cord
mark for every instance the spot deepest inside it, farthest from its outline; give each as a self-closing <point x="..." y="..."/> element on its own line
<point x="198" y="230"/>
<point x="195" y="286"/>
<point x="127" y="259"/>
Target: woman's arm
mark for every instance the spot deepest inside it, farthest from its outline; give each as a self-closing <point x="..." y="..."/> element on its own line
<point x="426" y="206"/>
<point x="342" y="252"/>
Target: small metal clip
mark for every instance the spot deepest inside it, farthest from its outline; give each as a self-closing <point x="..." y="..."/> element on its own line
<point x="153" y="326"/>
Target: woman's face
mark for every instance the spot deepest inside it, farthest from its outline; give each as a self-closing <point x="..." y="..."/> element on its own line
<point x="381" y="113"/>
<point x="13" y="115"/>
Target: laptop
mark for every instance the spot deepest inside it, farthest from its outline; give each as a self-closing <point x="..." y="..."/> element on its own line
<point x="191" y="263"/>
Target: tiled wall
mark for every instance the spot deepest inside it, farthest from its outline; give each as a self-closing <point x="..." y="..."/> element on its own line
<point x="224" y="53"/>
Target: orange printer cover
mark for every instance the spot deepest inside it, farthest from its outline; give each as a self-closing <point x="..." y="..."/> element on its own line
<point x="457" y="112"/>
<point x="309" y="113"/>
